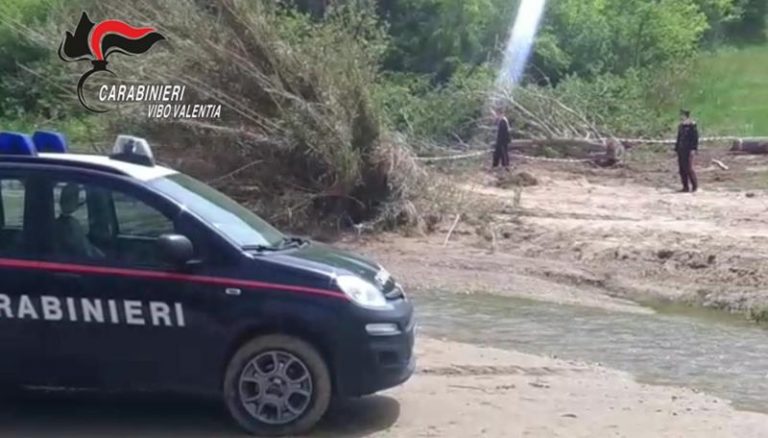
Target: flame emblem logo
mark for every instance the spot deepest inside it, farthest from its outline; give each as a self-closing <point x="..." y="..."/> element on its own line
<point x="96" y="42"/>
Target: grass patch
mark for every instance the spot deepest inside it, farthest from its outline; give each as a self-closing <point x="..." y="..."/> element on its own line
<point x="728" y="92"/>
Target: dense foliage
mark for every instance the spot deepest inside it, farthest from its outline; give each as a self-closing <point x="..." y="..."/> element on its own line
<point x="439" y="52"/>
<point x="20" y="91"/>
<point x="331" y="83"/>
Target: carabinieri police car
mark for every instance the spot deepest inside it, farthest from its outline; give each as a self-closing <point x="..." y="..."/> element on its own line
<point x="119" y="274"/>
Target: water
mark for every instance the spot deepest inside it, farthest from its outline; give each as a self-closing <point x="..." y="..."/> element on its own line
<point x="520" y="43"/>
<point x="703" y="350"/>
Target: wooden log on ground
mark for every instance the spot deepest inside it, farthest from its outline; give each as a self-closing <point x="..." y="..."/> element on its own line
<point x="606" y="152"/>
<point x="746" y="146"/>
<point x="555" y="142"/>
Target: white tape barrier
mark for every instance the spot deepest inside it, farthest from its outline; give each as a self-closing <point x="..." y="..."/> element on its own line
<point x="622" y="140"/>
<point x="518" y="156"/>
<point x="701" y="140"/>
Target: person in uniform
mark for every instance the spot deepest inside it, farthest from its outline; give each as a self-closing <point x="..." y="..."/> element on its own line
<point x="503" y="137"/>
<point x="686" y="146"/>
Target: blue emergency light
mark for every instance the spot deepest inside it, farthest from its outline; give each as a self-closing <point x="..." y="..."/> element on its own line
<point x="16" y="143"/>
<point x="50" y="141"/>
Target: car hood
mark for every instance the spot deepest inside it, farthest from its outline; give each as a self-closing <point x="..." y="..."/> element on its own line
<point x="328" y="260"/>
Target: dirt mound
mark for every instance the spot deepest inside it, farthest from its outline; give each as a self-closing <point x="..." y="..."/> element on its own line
<point x="516" y="179"/>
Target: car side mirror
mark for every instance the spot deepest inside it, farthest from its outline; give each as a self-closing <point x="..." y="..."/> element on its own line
<point x="176" y="249"/>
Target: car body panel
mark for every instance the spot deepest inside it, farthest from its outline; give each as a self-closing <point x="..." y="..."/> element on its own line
<point x="224" y="300"/>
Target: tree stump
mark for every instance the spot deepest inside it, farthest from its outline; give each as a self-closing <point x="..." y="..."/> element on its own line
<point x="614" y="153"/>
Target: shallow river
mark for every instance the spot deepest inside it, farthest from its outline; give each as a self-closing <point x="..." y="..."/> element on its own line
<point x="710" y="351"/>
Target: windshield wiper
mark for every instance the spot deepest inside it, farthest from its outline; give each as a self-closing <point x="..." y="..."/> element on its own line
<point x="298" y="242"/>
<point x="284" y="243"/>
<point x="261" y="248"/>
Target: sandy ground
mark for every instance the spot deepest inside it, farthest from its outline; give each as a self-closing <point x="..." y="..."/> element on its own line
<point x="464" y="391"/>
<point x="600" y="236"/>
<point x="458" y="391"/>
<point x="593" y="237"/>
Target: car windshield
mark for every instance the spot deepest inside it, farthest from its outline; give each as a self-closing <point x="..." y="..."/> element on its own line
<point x="235" y="221"/>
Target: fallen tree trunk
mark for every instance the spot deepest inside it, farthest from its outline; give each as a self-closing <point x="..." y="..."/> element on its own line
<point x="750" y="146"/>
<point x="555" y="142"/>
<point x="607" y="152"/>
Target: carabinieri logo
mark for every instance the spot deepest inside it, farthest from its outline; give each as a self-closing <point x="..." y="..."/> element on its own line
<point x="95" y="42"/>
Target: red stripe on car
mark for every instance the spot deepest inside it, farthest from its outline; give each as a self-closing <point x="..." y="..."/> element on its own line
<point x="160" y="275"/>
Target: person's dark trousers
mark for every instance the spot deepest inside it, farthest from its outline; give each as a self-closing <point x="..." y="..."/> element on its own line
<point x="687" y="174"/>
<point x="501" y="155"/>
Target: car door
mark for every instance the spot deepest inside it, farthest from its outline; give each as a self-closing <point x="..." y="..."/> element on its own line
<point x="21" y="331"/>
<point x="129" y="320"/>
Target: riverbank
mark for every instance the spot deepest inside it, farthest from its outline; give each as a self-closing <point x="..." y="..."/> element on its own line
<point x="602" y="237"/>
<point x="461" y="390"/>
<point x="458" y="391"/>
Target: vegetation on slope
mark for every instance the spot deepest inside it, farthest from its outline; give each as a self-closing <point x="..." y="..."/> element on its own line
<point x="327" y="101"/>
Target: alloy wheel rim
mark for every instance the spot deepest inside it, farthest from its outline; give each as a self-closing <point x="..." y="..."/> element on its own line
<point x="275" y="387"/>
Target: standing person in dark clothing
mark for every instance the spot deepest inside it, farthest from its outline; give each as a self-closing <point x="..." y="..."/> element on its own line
<point x="503" y="137"/>
<point x="686" y="147"/>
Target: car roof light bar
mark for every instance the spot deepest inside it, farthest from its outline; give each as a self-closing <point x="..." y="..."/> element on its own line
<point x="50" y="141"/>
<point x="16" y="143"/>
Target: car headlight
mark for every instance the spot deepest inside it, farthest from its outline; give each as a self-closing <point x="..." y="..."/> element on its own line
<point x="362" y="292"/>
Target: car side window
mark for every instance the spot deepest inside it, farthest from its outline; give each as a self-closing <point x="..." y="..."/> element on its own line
<point x="139" y="225"/>
<point x="100" y="224"/>
<point x="12" y="200"/>
<point x="77" y="202"/>
<point x="137" y="219"/>
<point x="72" y="235"/>
<point x="12" y="193"/>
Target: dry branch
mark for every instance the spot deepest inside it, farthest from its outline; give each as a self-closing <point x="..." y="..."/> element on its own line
<point x="297" y="117"/>
<point x="540" y="115"/>
<point x="450" y="231"/>
<point x="719" y="164"/>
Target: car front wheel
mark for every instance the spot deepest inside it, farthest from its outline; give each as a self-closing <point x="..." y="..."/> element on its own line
<point x="277" y="385"/>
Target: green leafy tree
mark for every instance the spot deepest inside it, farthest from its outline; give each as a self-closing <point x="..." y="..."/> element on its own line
<point x="592" y="37"/>
<point x="21" y="91"/>
<point x="720" y="14"/>
<point x="576" y="37"/>
<point x="314" y="7"/>
<point x="438" y="36"/>
<point x="447" y="112"/>
<point x="752" y="22"/>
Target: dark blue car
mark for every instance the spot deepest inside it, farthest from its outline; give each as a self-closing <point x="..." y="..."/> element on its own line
<point x="118" y="274"/>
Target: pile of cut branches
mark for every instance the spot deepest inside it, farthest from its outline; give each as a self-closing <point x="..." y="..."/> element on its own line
<point x="540" y="114"/>
<point x="298" y="139"/>
<point x="543" y="124"/>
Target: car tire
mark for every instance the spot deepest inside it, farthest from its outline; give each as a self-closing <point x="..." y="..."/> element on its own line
<point x="255" y="371"/>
